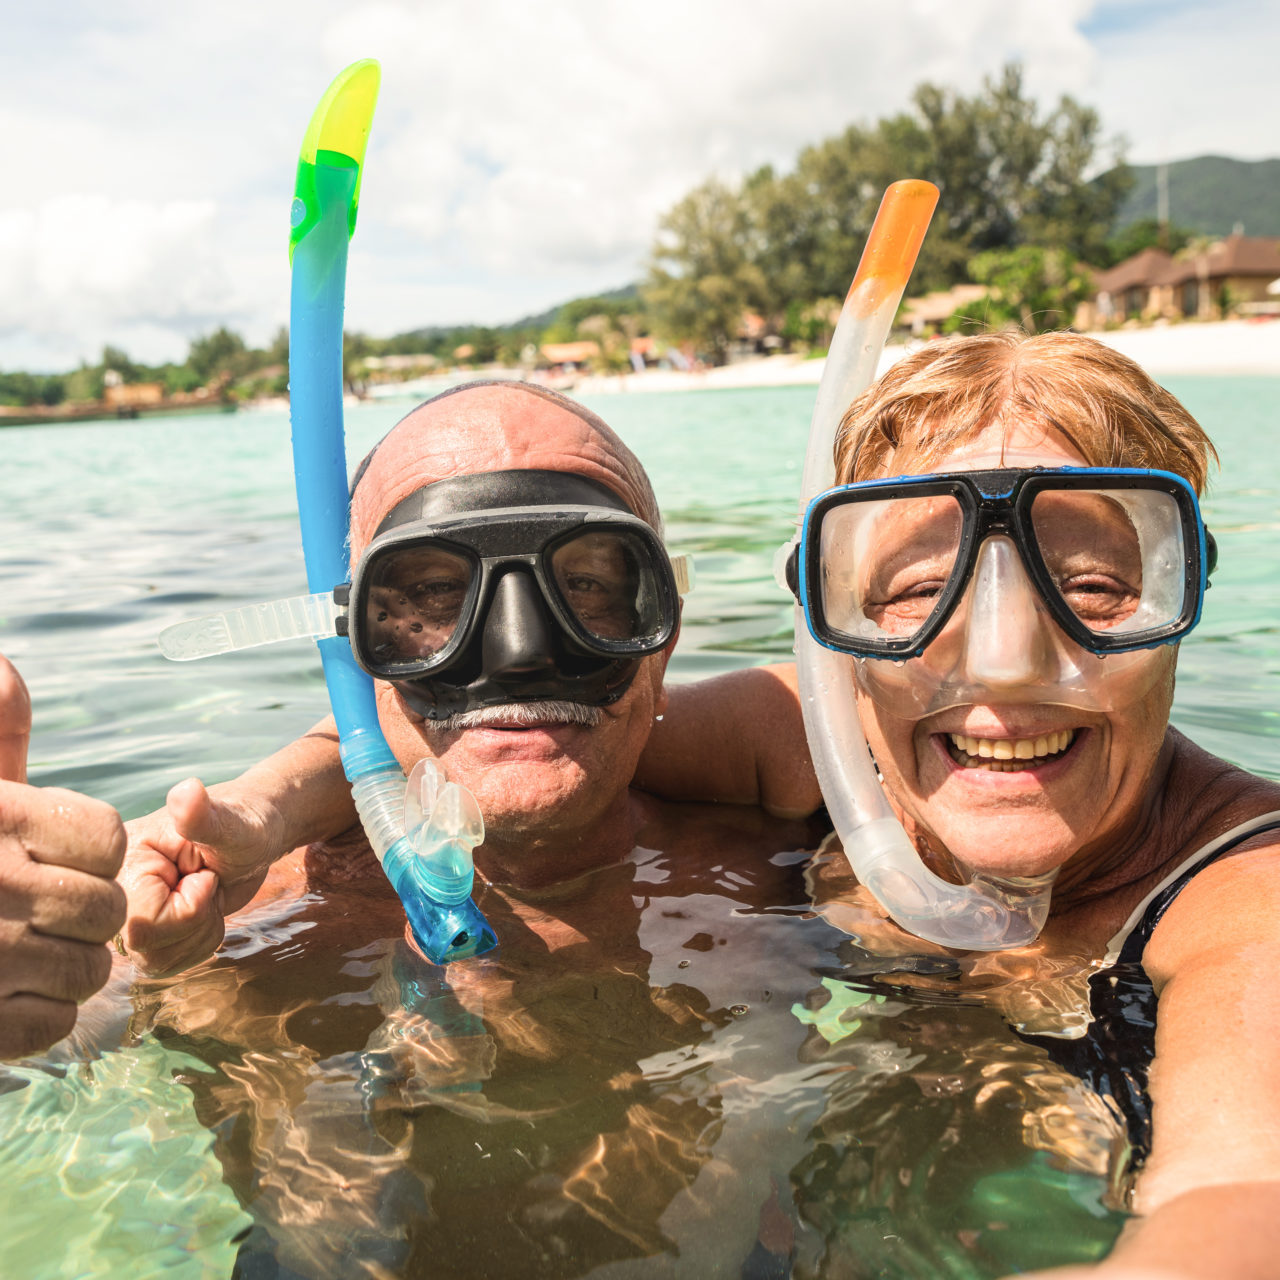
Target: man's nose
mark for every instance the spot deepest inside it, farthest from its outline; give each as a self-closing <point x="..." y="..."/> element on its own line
<point x="518" y="636"/>
<point x="1008" y="636"/>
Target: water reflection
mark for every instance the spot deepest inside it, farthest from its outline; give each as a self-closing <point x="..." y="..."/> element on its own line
<point x="719" y="1083"/>
<point x="553" y="1108"/>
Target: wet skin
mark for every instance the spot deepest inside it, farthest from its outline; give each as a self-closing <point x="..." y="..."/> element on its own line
<point x="525" y="1090"/>
<point x="555" y="794"/>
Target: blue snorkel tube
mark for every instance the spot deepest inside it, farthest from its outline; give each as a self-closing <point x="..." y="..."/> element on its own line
<point x="423" y="840"/>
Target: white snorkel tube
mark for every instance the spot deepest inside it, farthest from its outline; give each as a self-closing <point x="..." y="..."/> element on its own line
<point x="988" y="913"/>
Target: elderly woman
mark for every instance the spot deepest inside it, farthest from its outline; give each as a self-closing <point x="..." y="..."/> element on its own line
<point x="1014" y="627"/>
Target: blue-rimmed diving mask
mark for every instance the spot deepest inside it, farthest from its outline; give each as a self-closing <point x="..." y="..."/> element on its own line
<point x="1012" y="584"/>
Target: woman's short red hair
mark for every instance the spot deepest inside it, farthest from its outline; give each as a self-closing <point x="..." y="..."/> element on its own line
<point x="938" y="398"/>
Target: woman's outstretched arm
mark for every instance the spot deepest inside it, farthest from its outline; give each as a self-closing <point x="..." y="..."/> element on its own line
<point x="737" y="739"/>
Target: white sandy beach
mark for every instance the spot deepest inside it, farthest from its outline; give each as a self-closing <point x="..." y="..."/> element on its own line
<point x="1227" y="347"/>
<point x="1233" y="348"/>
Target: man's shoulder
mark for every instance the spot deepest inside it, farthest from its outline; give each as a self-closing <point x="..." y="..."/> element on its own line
<point x="705" y="842"/>
<point x="685" y="823"/>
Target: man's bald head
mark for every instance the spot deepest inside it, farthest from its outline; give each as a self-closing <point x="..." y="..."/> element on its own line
<point x="494" y="426"/>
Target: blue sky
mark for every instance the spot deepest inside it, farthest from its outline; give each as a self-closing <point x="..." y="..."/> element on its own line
<point x="521" y="154"/>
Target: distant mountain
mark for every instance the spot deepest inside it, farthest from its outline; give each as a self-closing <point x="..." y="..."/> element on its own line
<point x="431" y="333"/>
<point x="1210" y="195"/>
<point x="625" y="293"/>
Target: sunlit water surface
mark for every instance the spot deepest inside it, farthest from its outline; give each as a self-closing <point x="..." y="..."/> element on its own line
<point x="711" y="1093"/>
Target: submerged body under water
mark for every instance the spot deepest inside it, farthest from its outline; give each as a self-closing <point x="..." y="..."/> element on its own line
<point x="721" y="1083"/>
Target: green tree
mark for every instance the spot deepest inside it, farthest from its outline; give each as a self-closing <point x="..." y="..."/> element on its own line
<point x="566" y="327"/>
<point x="611" y="333"/>
<point x="278" y="350"/>
<point x="1009" y="175"/>
<point x="1030" y="287"/>
<point x="781" y="240"/>
<point x="515" y="341"/>
<point x="836" y="191"/>
<point x="23" y="389"/>
<point x="355" y="347"/>
<point x="85" y="383"/>
<point x="1146" y="233"/>
<point x="220" y="353"/>
<point x="702" y="275"/>
<point x="178" y="378"/>
<point x="117" y="359"/>
<point x="53" y="389"/>
<point x="17" y="388"/>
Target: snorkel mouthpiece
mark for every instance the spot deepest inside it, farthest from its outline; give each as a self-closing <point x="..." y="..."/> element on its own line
<point x="988" y="913"/>
<point x="430" y="865"/>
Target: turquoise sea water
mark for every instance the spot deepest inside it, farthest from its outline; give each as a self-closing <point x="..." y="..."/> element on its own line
<point x="136" y="1158"/>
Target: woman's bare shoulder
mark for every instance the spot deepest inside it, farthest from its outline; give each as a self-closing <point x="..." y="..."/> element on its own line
<point x="1234" y="902"/>
<point x="1206" y="796"/>
<point x="736" y="738"/>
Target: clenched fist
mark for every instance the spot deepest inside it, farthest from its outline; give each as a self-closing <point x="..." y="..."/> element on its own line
<point x="59" y="900"/>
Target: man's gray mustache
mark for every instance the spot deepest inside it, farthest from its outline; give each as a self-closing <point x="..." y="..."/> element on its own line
<point x="529" y="714"/>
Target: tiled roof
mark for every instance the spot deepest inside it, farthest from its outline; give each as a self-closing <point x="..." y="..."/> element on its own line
<point x="933" y="308"/>
<point x="1150" y="267"/>
<point x="1234" y="256"/>
<point x="569" y="352"/>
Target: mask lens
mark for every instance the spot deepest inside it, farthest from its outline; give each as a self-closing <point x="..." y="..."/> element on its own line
<point x="606" y="582"/>
<point x="1116" y="557"/>
<point x="414" y="603"/>
<point x="886" y="563"/>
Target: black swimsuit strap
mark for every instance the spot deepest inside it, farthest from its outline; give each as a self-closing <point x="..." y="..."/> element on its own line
<point x="1136" y="943"/>
<point x="1114" y="1055"/>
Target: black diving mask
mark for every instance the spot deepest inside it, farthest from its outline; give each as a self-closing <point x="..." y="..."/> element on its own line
<point x="511" y="586"/>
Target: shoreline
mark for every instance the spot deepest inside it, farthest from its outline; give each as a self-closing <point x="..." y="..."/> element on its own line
<point x="1220" y="348"/>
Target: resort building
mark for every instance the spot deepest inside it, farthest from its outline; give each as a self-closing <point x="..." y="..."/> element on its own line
<point x="569" y="356"/>
<point x="926" y="314"/>
<point x="1228" y="277"/>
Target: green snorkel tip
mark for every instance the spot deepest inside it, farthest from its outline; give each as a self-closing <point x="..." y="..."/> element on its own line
<point x="336" y="138"/>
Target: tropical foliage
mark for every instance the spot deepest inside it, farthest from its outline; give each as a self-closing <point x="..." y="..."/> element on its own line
<point x="1010" y="177"/>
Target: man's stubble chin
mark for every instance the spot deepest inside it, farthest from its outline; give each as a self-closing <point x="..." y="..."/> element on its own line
<point x="528" y="799"/>
<point x="539" y="792"/>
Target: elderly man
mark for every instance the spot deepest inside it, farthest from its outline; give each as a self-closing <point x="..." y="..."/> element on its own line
<point x="630" y="930"/>
<point x="59" y="903"/>
<point x="544" y="730"/>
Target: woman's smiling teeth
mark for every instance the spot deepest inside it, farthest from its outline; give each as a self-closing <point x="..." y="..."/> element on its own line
<point x="1008" y="755"/>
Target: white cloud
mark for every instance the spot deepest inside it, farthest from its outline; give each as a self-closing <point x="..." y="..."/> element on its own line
<point x="562" y="138"/>
<point x="86" y="268"/>
<point x="1190" y="78"/>
<point x="521" y="153"/>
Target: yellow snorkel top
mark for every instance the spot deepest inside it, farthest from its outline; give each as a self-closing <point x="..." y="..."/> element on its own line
<point x="337" y="137"/>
